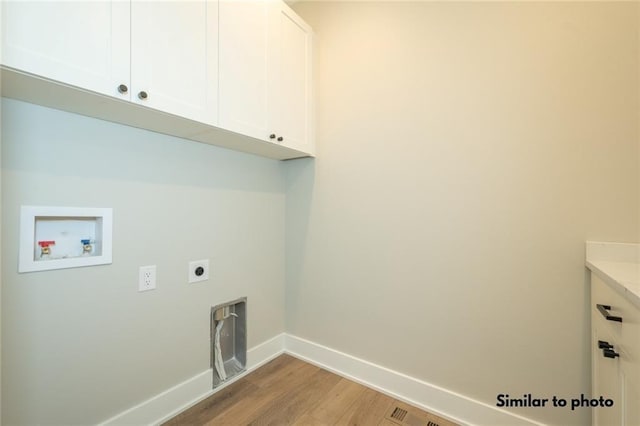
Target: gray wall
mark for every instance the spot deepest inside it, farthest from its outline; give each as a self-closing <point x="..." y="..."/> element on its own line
<point x="81" y="345"/>
<point x="466" y="151"/>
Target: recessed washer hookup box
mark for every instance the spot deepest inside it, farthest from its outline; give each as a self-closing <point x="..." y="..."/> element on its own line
<point x="64" y="237"/>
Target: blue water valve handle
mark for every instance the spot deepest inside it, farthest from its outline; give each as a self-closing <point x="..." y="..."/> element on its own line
<point x="87" y="248"/>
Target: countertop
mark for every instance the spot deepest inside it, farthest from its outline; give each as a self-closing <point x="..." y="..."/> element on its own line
<point x="617" y="264"/>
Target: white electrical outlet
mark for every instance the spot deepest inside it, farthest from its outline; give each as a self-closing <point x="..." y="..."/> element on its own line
<point x="147" y="278"/>
<point x="198" y="271"/>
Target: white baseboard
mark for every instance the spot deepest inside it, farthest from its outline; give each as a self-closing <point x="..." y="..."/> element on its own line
<point x="167" y="404"/>
<point x="447" y="404"/>
<point x="265" y="352"/>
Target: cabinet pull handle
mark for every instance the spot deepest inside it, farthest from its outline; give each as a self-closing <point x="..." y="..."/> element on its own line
<point x="272" y="136"/>
<point x="280" y="139"/>
<point x="603" y="310"/>
<point x="610" y="353"/>
<point x="123" y="89"/>
<point x="143" y="95"/>
<point x="604" y="345"/>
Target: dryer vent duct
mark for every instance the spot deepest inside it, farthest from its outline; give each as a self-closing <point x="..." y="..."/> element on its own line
<point x="228" y="340"/>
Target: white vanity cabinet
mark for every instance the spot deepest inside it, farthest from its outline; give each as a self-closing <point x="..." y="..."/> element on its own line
<point x="159" y="54"/>
<point x="615" y="325"/>
<point x="266" y="72"/>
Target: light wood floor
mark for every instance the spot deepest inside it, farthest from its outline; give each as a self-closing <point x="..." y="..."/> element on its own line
<point x="287" y="391"/>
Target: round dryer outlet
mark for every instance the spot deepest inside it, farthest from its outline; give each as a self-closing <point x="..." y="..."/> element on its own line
<point x="198" y="271"/>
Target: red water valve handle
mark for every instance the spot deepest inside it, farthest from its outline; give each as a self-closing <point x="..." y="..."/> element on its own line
<point x="44" y="244"/>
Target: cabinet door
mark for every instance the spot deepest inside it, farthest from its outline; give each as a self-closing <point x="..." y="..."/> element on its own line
<point x="292" y="116"/>
<point x="630" y="362"/>
<point x="174" y="57"/>
<point x="607" y="381"/>
<point x="245" y="80"/>
<point x="80" y="43"/>
<point x="617" y="378"/>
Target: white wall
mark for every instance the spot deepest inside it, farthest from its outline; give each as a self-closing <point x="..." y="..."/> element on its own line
<point x="81" y="345"/>
<point x="466" y="151"/>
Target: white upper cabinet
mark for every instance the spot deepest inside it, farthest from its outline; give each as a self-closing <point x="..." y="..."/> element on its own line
<point x="245" y="78"/>
<point x="292" y="114"/>
<point x="174" y="57"/>
<point x="161" y="54"/>
<point x="224" y="72"/>
<point x="80" y="43"/>
<point x="265" y="72"/>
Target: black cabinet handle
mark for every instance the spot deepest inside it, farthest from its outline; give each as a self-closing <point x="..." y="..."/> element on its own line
<point x="272" y="136"/>
<point x="603" y="310"/>
<point x="143" y="95"/>
<point x="123" y="89"/>
<point x="280" y="139"/>
<point x="604" y="345"/>
<point x="610" y="353"/>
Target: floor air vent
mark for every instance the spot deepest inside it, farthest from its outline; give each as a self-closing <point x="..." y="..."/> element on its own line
<point x="406" y="415"/>
<point x="398" y="414"/>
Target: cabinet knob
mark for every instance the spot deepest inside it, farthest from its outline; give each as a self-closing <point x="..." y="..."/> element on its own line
<point x="604" y="345"/>
<point x="143" y="95"/>
<point x="609" y="353"/>
<point x="272" y="136"/>
<point x="123" y="89"/>
<point x="603" y="310"/>
<point x="280" y="139"/>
